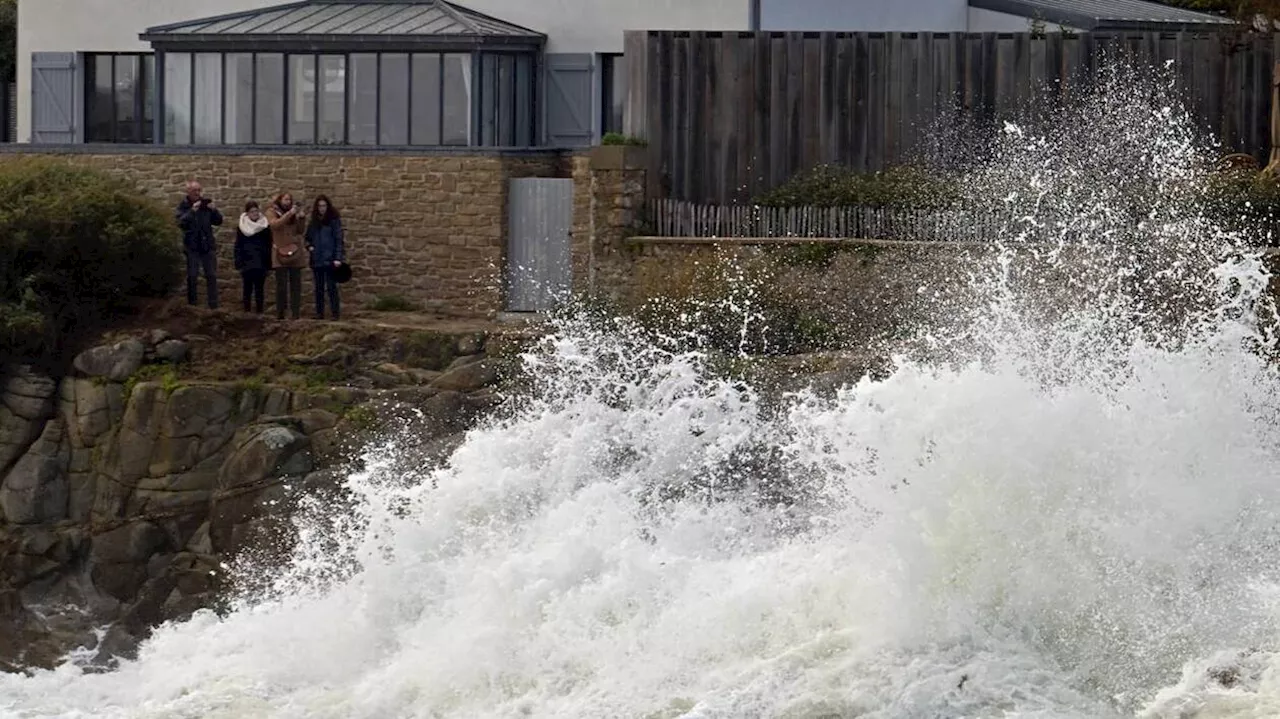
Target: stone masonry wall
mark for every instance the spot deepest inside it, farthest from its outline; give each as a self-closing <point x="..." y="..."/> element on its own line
<point x="430" y="228"/>
<point x="609" y="187"/>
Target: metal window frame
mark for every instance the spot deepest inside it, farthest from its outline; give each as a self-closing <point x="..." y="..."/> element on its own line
<point x="90" y="76"/>
<point x="480" y="93"/>
<point x="608" y="77"/>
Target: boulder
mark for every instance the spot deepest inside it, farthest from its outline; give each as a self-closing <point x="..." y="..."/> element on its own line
<point x="423" y="376"/>
<point x="28" y="395"/>
<point x="82" y="489"/>
<point x="277" y="402"/>
<point x="266" y="451"/>
<point x="191" y="411"/>
<point x="185" y="492"/>
<point x="256" y="522"/>
<point x="128" y="455"/>
<point x="444" y="413"/>
<point x="469" y="377"/>
<point x="464" y="361"/>
<point x="118" y="558"/>
<point x="172" y="351"/>
<point x="397" y="351"/>
<point x="37" y="552"/>
<point x="36" y="489"/>
<point x="471" y="344"/>
<point x="117" y="362"/>
<point x="334" y="338"/>
<point x="316" y="420"/>
<point x="157" y="337"/>
<point x="93" y="410"/>
<point x="334" y="356"/>
<point x="16" y="435"/>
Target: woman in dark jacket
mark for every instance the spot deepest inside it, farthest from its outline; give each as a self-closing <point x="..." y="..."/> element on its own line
<point x="328" y="252"/>
<point x="253" y="254"/>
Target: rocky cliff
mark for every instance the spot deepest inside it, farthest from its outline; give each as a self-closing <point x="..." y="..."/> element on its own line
<point x="126" y="485"/>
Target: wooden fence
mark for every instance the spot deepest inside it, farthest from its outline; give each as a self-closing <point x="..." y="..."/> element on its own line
<point x="677" y="218"/>
<point x="728" y="115"/>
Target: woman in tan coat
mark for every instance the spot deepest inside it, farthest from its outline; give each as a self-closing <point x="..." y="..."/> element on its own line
<point x="288" y="255"/>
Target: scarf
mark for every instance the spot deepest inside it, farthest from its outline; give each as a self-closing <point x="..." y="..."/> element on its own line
<point x="249" y="228"/>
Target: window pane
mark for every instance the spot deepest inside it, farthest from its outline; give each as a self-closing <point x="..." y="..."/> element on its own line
<point x="177" y="98"/>
<point x="302" y="98"/>
<point x="615" y="92"/>
<point x="149" y="98"/>
<point x="126" y="81"/>
<point x="363" y="114"/>
<point x="395" y="100"/>
<point x="333" y="94"/>
<point x="239" y="110"/>
<point x="457" y="100"/>
<point x="507" y="100"/>
<point x="524" y="101"/>
<point x="488" y="99"/>
<point x="100" y="111"/>
<point x="425" y="99"/>
<point x="208" y="99"/>
<point x="268" y="113"/>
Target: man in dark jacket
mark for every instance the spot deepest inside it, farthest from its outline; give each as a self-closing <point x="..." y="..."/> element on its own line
<point x="197" y="217"/>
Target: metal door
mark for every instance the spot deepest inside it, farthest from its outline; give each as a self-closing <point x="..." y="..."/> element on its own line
<point x="539" y="256"/>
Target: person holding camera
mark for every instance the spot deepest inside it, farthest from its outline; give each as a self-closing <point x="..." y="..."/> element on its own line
<point x="328" y="252"/>
<point x="288" y="221"/>
<point x="197" y="217"/>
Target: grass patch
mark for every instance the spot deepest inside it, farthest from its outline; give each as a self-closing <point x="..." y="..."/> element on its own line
<point x="393" y="303"/>
<point x="166" y="375"/>
<point x="323" y="377"/>
<point x="430" y="350"/>
<point x="362" y="417"/>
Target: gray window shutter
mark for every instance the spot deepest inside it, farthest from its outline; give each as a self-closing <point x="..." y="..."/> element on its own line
<point x="570" y="94"/>
<point x="55" y="97"/>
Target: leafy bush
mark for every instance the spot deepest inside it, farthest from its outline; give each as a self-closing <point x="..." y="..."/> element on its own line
<point x="617" y="138"/>
<point x="393" y="303"/>
<point x="75" y="243"/>
<point x="837" y="186"/>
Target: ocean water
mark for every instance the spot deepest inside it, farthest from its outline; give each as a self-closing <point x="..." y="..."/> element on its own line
<point x="1064" y="515"/>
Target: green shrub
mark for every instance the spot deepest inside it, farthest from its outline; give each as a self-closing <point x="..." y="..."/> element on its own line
<point x="617" y="138"/>
<point x="837" y="186"/>
<point x="74" y="244"/>
<point x="393" y="303"/>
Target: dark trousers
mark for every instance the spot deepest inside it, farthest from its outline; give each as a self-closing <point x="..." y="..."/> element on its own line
<point x="326" y="284"/>
<point x="206" y="263"/>
<point x="289" y="291"/>
<point x="254" y="283"/>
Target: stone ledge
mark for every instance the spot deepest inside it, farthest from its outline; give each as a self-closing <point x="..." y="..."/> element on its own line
<point x="740" y="241"/>
<point x="275" y="150"/>
<point x="619" y="157"/>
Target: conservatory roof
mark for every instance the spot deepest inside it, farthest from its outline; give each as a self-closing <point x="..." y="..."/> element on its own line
<point x="1104" y="15"/>
<point x="346" y="22"/>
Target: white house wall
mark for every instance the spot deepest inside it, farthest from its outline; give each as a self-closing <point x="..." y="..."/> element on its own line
<point x="990" y="21"/>
<point x="571" y="26"/>
<point x="865" y="15"/>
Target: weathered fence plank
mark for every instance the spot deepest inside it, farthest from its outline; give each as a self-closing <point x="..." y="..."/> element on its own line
<point x="729" y="115"/>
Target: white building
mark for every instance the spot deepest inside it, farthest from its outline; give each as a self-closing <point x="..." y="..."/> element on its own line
<point x="514" y="73"/>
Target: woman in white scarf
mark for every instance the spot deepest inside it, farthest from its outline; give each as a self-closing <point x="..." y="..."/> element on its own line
<point x="253" y="254"/>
